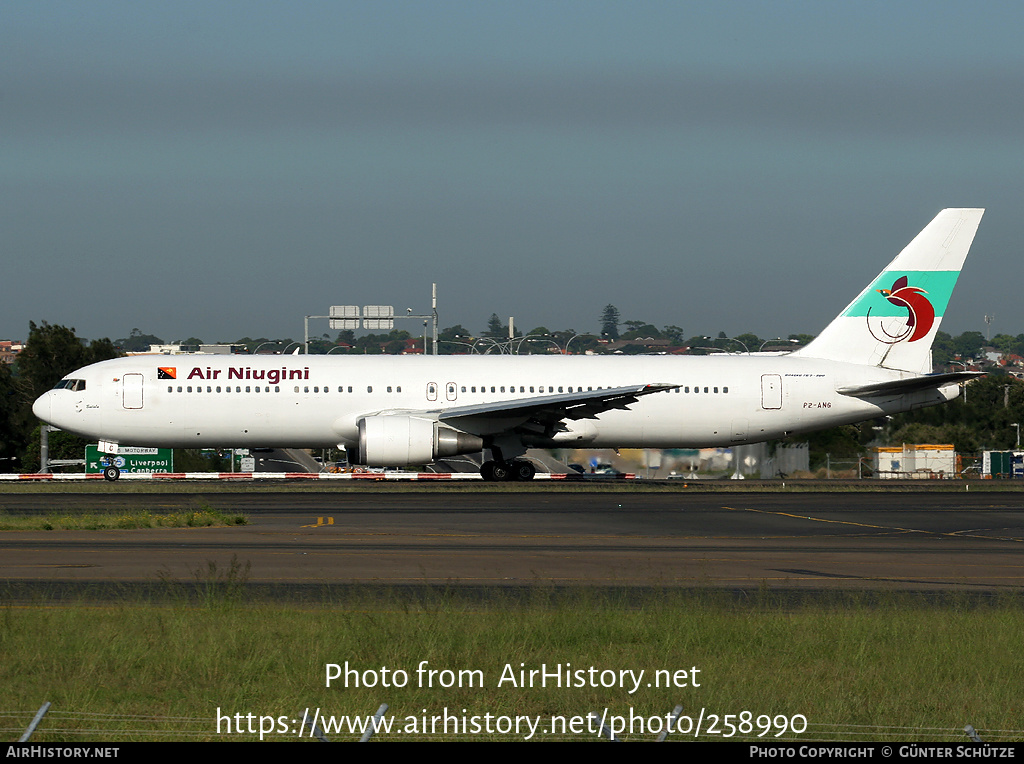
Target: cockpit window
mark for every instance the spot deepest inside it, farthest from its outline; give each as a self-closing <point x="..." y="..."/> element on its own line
<point x="76" y="385"/>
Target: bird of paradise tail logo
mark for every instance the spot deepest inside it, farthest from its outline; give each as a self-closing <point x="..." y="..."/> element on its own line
<point x="921" y="313"/>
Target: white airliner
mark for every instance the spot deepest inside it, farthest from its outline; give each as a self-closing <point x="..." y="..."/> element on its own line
<point x="873" y="360"/>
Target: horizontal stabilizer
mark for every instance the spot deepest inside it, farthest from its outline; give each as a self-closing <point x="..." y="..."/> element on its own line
<point x="912" y="384"/>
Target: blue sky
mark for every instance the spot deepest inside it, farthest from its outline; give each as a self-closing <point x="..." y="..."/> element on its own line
<point x="222" y="169"/>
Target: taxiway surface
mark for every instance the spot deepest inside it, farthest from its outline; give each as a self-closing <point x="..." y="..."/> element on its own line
<point x="849" y="541"/>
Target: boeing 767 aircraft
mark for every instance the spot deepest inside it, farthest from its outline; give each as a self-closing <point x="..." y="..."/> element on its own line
<point x="873" y="360"/>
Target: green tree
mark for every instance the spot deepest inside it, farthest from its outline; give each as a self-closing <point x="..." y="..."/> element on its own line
<point x="969" y="345"/>
<point x="53" y="351"/>
<point x="673" y="334"/>
<point x="610" y="321"/>
<point x="137" y="342"/>
<point x="640" y="330"/>
<point x="192" y="343"/>
<point x="981" y="422"/>
<point x="495" y="329"/>
<point x="10" y="441"/>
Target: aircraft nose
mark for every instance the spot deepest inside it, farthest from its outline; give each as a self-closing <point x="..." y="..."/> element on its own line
<point x="41" y="408"/>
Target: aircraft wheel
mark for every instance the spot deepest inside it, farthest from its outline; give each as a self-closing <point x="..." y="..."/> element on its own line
<point x="500" y="471"/>
<point x="111" y="473"/>
<point x="487" y="471"/>
<point x="523" y="470"/>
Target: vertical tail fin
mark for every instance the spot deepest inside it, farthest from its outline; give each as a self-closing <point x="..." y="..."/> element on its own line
<point x="893" y="322"/>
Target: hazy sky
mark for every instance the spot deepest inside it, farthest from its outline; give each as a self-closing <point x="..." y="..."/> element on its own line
<point x="221" y="169"/>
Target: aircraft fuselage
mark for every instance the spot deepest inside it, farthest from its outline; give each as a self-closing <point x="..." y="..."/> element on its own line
<point x="317" y="401"/>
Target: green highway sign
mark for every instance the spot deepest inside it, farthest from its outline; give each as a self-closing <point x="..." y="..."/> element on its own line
<point x="131" y="459"/>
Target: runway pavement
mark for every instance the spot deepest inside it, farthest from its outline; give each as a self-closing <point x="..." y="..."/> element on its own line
<point x="933" y="542"/>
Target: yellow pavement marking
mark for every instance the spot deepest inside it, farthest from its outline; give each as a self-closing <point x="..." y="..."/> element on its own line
<point x="957" y="534"/>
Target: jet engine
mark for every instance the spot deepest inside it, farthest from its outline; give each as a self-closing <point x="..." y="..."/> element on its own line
<point x="398" y="441"/>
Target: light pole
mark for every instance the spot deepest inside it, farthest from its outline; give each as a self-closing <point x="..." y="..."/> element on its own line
<point x="571" y="339"/>
<point x="268" y="342"/>
<point x="963" y="385"/>
<point x="775" y="339"/>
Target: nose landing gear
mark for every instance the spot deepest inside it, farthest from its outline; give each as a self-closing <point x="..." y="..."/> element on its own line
<point x="110" y="471"/>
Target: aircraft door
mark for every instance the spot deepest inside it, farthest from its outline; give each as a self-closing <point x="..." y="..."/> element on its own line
<point x="431" y="391"/>
<point x="131" y="391"/>
<point x="451" y="392"/>
<point x="771" y="391"/>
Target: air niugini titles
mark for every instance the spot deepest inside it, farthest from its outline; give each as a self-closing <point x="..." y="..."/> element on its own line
<point x="273" y="376"/>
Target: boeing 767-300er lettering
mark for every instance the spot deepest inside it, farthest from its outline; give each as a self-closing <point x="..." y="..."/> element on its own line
<point x="873" y="360"/>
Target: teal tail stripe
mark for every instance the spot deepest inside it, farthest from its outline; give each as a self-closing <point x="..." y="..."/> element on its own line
<point x="938" y="286"/>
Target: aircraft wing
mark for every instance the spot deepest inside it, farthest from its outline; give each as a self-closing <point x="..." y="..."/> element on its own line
<point x="548" y="410"/>
<point x="910" y="385"/>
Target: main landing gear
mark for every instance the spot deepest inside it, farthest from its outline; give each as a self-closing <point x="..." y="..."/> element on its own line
<point x="500" y="470"/>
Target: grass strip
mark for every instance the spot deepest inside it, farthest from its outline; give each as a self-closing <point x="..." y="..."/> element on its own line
<point x="889" y="668"/>
<point x="93" y="521"/>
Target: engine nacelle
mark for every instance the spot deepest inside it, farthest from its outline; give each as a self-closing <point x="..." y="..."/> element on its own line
<point x="398" y="441"/>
